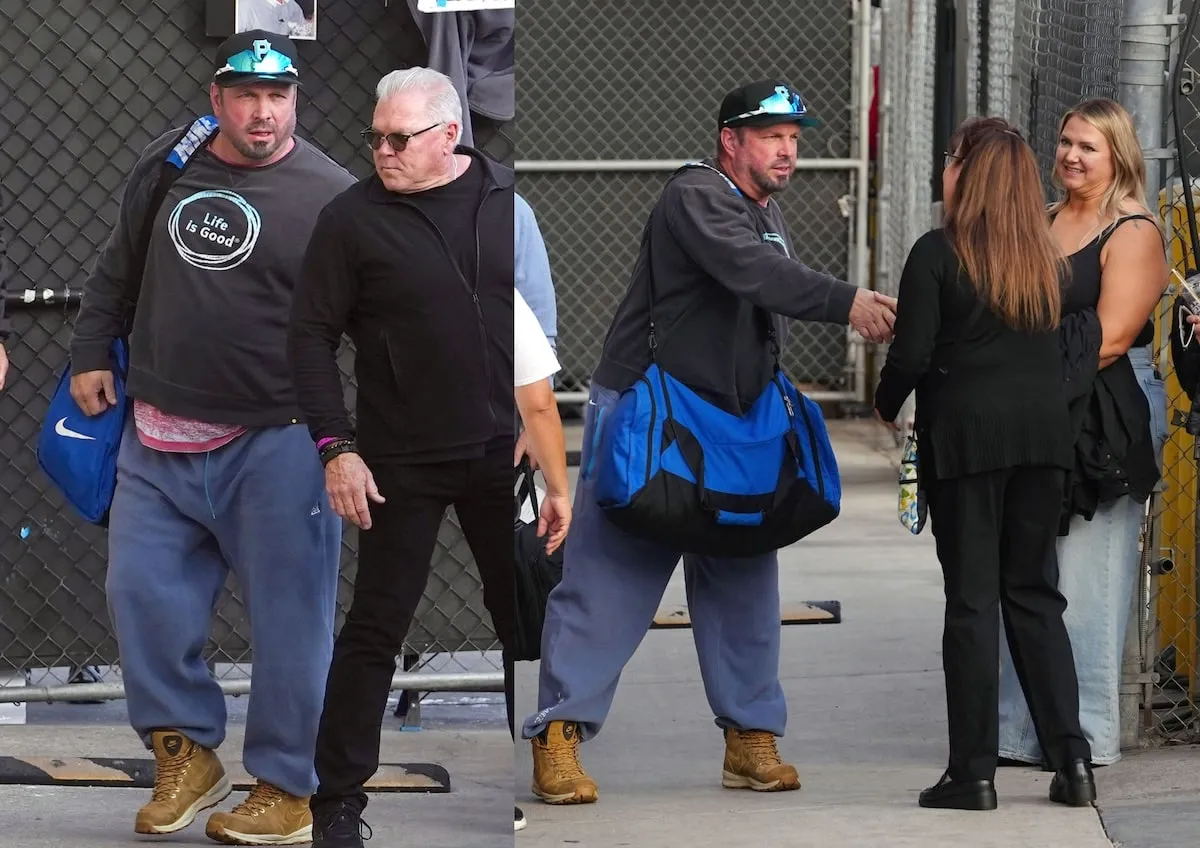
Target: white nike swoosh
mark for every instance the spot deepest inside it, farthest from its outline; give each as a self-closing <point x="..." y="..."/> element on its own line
<point x="63" y="430"/>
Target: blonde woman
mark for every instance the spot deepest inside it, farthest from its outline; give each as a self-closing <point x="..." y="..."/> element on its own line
<point x="1119" y="270"/>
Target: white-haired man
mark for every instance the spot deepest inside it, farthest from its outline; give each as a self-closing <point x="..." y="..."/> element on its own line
<point x="415" y="265"/>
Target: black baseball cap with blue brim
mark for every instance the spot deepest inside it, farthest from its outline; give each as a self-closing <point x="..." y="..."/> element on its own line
<point x="257" y="56"/>
<point x="763" y="104"/>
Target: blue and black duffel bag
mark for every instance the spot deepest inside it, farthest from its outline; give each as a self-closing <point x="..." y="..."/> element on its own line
<point x="674" y="468"/>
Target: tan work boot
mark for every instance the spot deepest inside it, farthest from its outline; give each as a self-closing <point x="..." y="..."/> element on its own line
<point x="187" y="779"/>
<point x="558" y="778"/>
<point x="752" y="762"/>
<point x="268" y="816"/>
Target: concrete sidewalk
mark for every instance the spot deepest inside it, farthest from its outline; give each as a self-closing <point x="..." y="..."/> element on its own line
<point x="470" y="741"/>
<point x="867" y="727"/>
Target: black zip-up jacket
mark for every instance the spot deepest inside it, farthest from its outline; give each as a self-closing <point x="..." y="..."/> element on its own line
<point x="434" y="349"/>
<point x="1110" y="419"/>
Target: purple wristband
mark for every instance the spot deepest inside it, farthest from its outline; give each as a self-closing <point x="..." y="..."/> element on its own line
<point x="325" y="441"/>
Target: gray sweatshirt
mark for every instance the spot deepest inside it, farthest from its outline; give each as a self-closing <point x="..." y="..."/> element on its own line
<point x="718" y="260"/>
<point x="209" y="337"/>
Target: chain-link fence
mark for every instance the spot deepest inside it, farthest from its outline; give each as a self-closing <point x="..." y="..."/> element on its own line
<point x="84" y="86"/>
<point x="599" y="143"/>
<point x="1167" y="631"/>
<point x="905" y="165"/>
<point x="1064" y="51"/>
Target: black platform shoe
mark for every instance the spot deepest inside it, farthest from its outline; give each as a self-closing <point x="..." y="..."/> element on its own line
<point x="1074" y="785"/>
<point x="949" y="794"/>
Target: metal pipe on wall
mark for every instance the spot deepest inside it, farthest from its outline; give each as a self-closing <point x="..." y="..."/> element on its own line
<point x="488" y="681"/>
<point x="596" y="166"/>
<point x="1145" y="57"/>
<point x="859" y="168"/>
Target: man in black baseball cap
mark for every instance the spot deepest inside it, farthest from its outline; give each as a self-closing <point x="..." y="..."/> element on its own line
<point x="762" y="104"/>
<point x="754" y="144"/>
<point x="254" y="95"/>
<point x="256" y="56"/>
<point x="721" y="257"/>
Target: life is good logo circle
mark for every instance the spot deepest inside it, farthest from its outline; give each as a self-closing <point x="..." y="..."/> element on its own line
<point x="215" y="230"/>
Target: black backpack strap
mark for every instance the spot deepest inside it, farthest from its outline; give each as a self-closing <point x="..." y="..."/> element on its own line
<point x="527" y="489"/>
<point x="173" y="166"/>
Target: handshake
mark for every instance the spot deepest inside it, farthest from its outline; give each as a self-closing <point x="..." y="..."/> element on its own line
<point x="872" y="315"/>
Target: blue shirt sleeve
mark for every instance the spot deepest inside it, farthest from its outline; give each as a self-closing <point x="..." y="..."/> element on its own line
<point x="533" y="278"/>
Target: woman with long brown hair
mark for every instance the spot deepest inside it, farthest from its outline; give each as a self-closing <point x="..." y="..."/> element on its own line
<point x="975" y="336"/>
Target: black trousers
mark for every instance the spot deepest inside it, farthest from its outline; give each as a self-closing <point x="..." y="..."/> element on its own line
<point x="995" y="536"/>
<point x="394" y="559"/>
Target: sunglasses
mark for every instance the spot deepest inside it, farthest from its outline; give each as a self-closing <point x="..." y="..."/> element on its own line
<point x="397" y="141"/>
<point x="782" y="102"/>
<point x="258" y="62"/>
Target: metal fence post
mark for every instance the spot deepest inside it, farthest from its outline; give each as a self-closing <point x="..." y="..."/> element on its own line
<point x="1145" y="58"/>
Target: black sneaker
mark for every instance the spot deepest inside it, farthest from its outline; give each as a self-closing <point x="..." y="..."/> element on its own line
<point x="518" y="819"/>
<point x="339" y="826"/>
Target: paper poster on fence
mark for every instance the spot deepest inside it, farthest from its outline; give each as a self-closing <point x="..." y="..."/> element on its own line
<point x="294" y="18"/>
<point x="432" y="6"/>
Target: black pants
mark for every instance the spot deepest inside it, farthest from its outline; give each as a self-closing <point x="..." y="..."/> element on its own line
<point x="394" y="559"/>
<point x="995" y="537"/>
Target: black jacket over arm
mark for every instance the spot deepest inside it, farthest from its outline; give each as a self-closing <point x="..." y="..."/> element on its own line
<point x="988" y="396"/>
<point x="434" y="349"/>
<point x="1110" y="421"/>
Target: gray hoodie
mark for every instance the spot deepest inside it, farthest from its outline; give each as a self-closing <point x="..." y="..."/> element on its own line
<point x="718" y="260"/>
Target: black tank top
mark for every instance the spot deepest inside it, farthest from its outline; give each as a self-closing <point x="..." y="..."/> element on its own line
<point x="1083" y="289"/>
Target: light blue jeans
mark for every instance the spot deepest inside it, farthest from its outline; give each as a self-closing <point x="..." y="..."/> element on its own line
<point x="1098" y="567"/>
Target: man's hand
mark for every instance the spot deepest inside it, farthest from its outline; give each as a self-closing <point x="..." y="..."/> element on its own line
<point x="554" y="518"/>
<point x="521" y="448"/>
<point x="3" y="366"/>
<point x="350" y="485"/>
<point x="872" y="315"/>
<point x="93" y="391"/>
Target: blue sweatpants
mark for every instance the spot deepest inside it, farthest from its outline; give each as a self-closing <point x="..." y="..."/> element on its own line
<point x="178" y="524"/>
<point x="611" y="588"/>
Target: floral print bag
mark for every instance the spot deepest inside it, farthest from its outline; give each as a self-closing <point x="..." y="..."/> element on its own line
<point x="913" y="509"/>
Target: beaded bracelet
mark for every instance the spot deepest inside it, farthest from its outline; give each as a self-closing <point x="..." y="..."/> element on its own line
<point x="336" y="448"/>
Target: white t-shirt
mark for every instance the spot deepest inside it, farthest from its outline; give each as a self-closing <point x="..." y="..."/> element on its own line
<point x="533" y="358"/>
